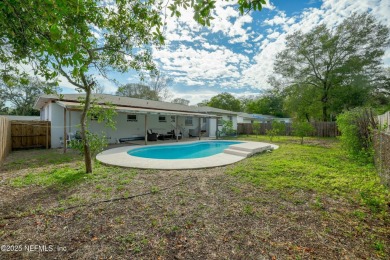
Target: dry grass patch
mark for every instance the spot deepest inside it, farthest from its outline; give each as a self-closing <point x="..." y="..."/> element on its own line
<point x="185" y="214"/>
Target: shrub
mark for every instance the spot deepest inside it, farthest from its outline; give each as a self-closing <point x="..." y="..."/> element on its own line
<point x="97" y="143"/>
<point x="302" y="129"/>
<point x="227" y="128"/>
<point x="356" y="128"/>
<point x="278" y="128"/>
<point x="256" y="127"/>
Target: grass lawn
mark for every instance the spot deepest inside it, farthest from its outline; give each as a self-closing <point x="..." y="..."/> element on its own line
<point x="297" y="202"/>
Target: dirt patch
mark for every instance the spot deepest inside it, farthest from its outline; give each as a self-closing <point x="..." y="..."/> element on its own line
<point x="188" y="214"/>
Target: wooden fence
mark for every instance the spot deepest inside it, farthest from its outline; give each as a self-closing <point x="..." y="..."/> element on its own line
<point x="382" y="155"/>
<point x="322" y="129"/>
<point x="30" y="134"/>
<point x="5" y="138"/>
<point x="384" y="121"/>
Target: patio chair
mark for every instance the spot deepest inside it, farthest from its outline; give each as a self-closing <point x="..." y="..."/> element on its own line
<point x="152" y="136"/>
<point x="179" y="136"/>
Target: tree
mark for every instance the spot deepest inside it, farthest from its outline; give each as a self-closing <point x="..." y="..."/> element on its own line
<point x="181" y="101"/>
<point x="78" y="39"/>
<point x="256" y="128"/>
<point x="278" y="128"/>
<point x="225" y="101"/>
<point x="137" y="90"/>
<point x="302" y="129"/>
<point x="329" y="61"/>
<point x="3" y="108"/>
<point x="22" y="93"/>
<point x="357" y="126"/>
<point x="244" y="101"/>
<point x="270" y="103"/>
<point x="203" y="103"/>
<point x="300" y="103"/>
<point x="159" y="84"/>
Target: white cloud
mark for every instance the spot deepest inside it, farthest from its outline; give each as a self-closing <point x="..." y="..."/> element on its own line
<point x="331" y="13"/>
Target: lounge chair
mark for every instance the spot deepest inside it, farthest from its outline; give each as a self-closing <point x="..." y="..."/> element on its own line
<point x="152" y="136"/>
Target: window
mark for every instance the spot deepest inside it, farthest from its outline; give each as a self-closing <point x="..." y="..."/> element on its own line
<point x="188" y="120"/>
<point x="220" y="121"/>
<point x="173" y="119"/>
<point x="230" y="118"/>
<point x="204" y="120"/>
<point x="162" y="118"/>
<point x="131" y="118"/>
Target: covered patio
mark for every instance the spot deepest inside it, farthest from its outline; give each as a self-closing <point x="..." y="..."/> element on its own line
<point x="71" y="107"/>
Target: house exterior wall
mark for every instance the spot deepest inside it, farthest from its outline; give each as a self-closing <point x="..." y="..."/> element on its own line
<point x="55" y="113"/>
<point x="212" y="127"/>
<point x="243" y="120"/>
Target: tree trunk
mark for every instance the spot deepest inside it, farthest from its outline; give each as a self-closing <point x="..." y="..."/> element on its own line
<point x="324" y="101"/>
<point x="324" y="113"/>
<point x="87" y="150"/>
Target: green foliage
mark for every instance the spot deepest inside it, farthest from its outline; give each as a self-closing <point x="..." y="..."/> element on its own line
<point x="181" y="101"/>
<point x="22" y="92"/>
<point x="60" y="176"/>
<point x="137" y="91"/>
<point x="227" y="128"/>
<point x="300" y="103"/>
<point x="97" y="143"/>
<point x="256" y="127"/>
<point x="75" y="39"/>
<point x="271" y="103"/>
<point x="314" y="168"/>
<point x="329" y="68"/>
<point x="278" y="128"/>
<point x="225" y="101"/>
<point x="302" y="129"/>
<point x="356" y="128"/>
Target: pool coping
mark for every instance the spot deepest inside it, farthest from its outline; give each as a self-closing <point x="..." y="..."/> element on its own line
<point x="120" y="157"/>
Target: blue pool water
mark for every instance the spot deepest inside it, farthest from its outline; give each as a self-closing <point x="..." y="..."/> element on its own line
<point x="182" y="151"/>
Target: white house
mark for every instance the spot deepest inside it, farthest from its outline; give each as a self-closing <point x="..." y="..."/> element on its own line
<point x="134" y="117"/>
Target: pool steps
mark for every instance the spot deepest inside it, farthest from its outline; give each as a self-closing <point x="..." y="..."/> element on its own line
<point x="247" y="149"/>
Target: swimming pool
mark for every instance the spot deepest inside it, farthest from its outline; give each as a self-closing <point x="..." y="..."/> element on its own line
<point x="182" y="151"/>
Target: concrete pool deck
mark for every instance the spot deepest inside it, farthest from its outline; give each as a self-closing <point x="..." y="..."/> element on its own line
<point x="120" y="157"/>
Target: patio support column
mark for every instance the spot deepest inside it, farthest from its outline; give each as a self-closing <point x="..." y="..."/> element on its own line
<point x="64" y="138"/>
<point x="146" y="129"/>
<point x="70" y="121"/>
<point x="216" y="131"/>
<point x="199" y="124"/>
<point x="176" y="133"/>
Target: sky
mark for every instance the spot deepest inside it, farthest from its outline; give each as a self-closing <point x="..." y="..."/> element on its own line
<point x="236" y="53"/>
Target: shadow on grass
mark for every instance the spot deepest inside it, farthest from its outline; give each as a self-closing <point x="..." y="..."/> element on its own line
<point x="36" y="158"/>
<point x="39" y="190"/>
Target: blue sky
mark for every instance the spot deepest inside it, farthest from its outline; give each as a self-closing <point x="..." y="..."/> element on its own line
<point x="236" y="53"/>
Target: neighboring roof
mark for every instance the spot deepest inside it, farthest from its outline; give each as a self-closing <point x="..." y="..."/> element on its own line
<point x="22" y="118"/>
<point x="262" y="117"/>
<point x="130" y="102"/>
<point x="245" y="115"/>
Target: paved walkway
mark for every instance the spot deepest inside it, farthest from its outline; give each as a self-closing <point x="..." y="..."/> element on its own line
<point x="120" y="157"/>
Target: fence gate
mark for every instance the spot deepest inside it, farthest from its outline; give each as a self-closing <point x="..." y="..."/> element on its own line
<point x="30" y="134"/>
